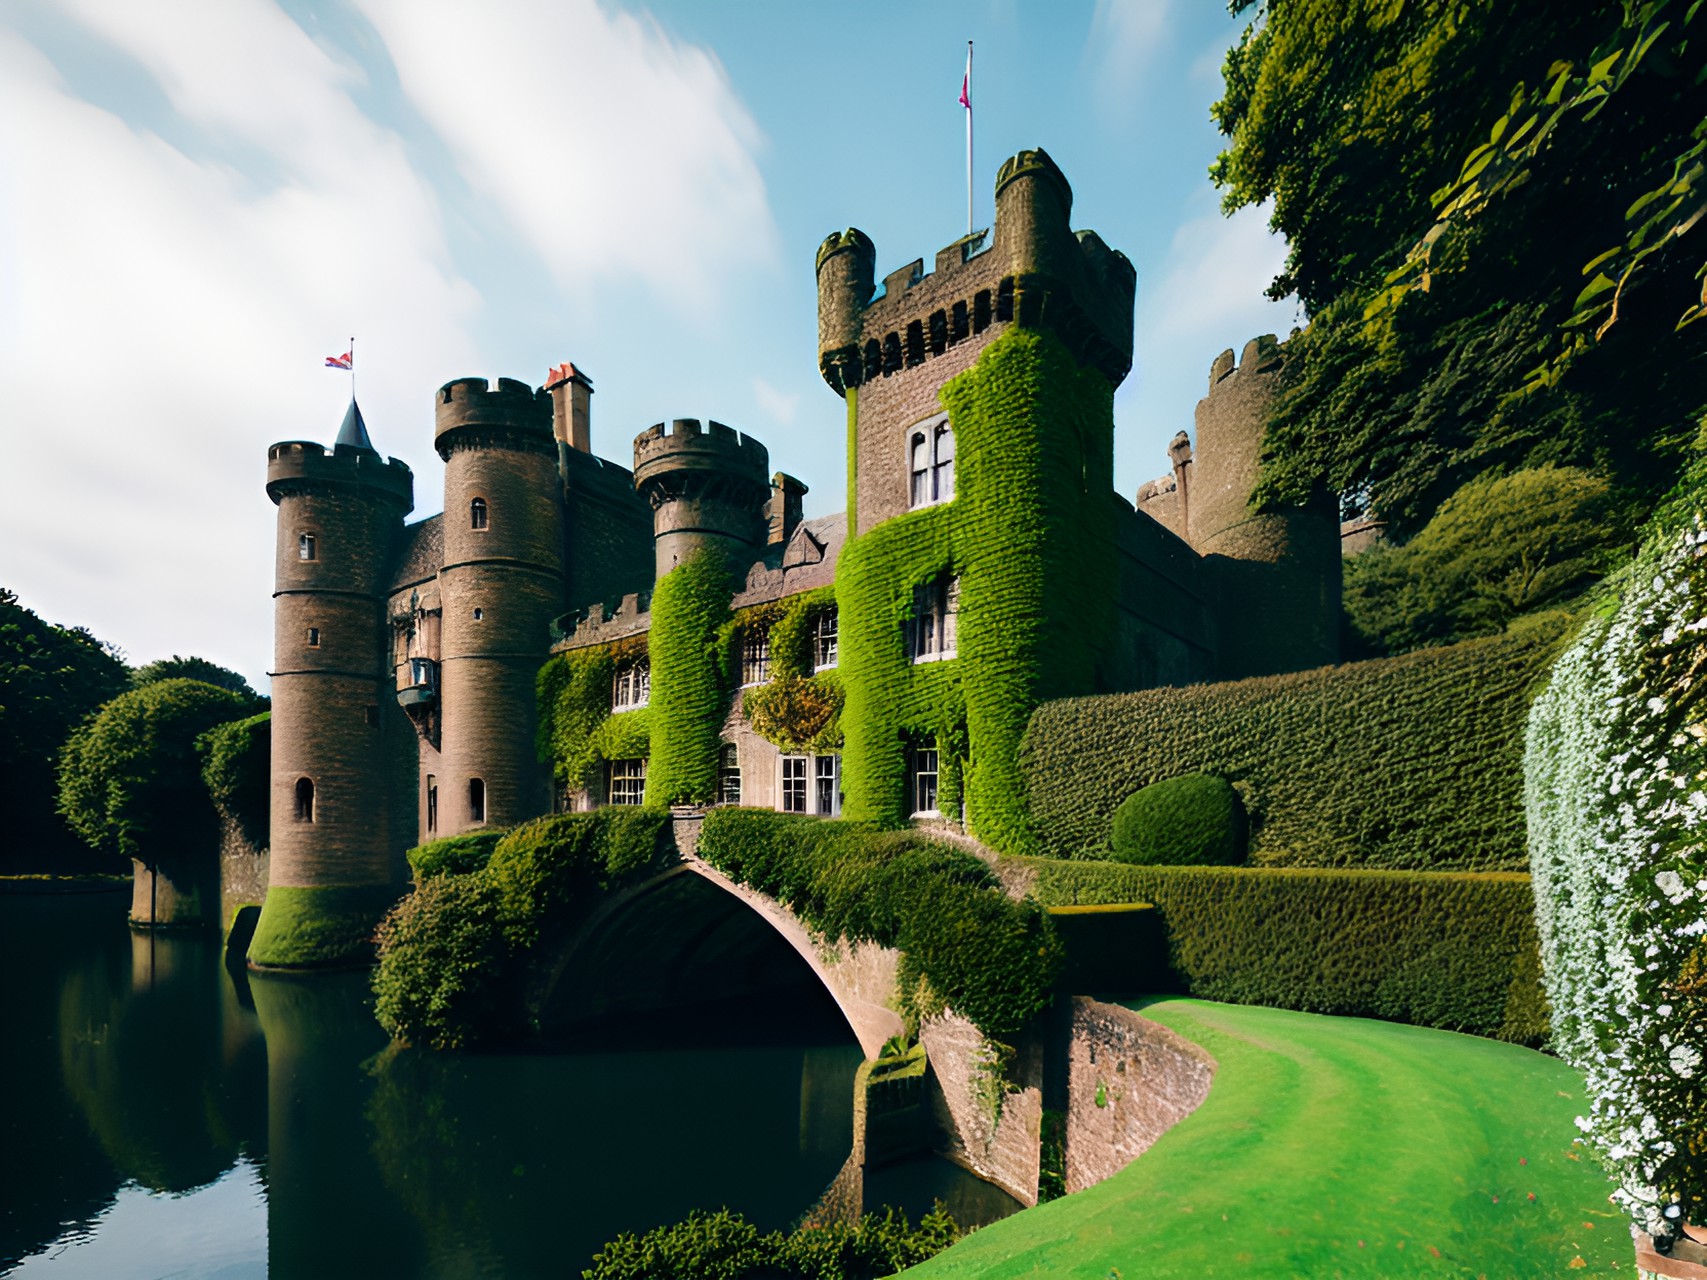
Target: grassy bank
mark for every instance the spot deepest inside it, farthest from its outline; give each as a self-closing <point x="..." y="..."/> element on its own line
<point x="1335" y="1147"/>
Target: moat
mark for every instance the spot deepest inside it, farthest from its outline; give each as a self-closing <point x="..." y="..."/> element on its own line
<point x="166" y="1116"/>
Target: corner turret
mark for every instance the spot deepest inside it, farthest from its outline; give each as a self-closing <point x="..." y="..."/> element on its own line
<point x="847" y="265"/>
<point x="706" y="487"/>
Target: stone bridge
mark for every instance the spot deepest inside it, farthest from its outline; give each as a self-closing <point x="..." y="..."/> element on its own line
<point x="688" y="936"/>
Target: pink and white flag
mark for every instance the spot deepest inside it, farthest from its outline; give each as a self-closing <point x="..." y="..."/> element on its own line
<point x="346" y="362"/>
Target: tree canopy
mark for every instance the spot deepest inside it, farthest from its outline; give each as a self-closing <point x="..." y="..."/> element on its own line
<point x="130" y="778"/>
<point x="178" y="668"/>
<point x="1440" y="284"/>
<point x="50" y="678"/>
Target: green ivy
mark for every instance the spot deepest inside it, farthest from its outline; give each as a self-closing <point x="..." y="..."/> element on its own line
<point x="1455" y="950"/>
<point x="798" y="709"/>
<point x="991" y="959"/>
<point x="453" y="855"/>
<point x="1412" y="762"/>
<point x="1033" y="471"/>
<point x="577" y="732"/>
<point x="688" y="642"/>
<point x="237" y="768"/>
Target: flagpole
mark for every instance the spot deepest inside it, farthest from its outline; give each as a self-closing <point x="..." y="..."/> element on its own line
<point x="352" y="370"/>
<point x="968" y="137"/>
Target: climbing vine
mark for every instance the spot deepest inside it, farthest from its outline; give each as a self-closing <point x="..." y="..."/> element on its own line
<point x="1034" y="469"/>
<point x="798" y="709"/>
<point x="577" y="732"/>
<point x="689" y="645"/>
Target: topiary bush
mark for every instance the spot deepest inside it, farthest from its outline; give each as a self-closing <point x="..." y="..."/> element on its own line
<point x="1616" y="761"/>
<point x="1455" y="950"/>
<point x="453" y="855"/>
<point x="1197" y="819"/>
<point x="725" y="1246"/>
<point x="1413" y="763"/>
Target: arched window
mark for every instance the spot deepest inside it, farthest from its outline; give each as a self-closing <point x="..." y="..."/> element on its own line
<point x="930" y="462"/>
<point x="477" y="514"/>
<point x="476" y="800"/>
<point x="305" y="799"/>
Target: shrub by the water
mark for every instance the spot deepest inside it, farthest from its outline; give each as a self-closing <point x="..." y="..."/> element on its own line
<point x="1455" y="950"/>
<point x="454" y="955"/>
<point x="237" y="767"/>
<point x="1197" y="819"/>
<point x="1408" y="763"/>
<point x="989" y="958"/>
<point x="1616" y="758"/>
<point x="130" y="779"/>
<point x="725" y="1246"/>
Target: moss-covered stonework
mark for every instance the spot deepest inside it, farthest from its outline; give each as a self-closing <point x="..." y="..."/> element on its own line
<point x="1034" y="466"/>
<point x="325" y="927"/>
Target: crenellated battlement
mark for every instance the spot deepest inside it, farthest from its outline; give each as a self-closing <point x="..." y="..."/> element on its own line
<point x="684" y="445"/>
<point x="471" y="413"/>
<point x="1031" y="269"/>
<point x="595" y="625"/>
<point x="295" y="466"/>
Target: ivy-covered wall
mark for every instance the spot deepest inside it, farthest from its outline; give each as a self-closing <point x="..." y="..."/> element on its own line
<point x="690" y="682"/>
<point x="577" y="732"/>
<point x="1033" y="470"/>
<point x="1412" y="762"/>
<point x="799" y="709"/>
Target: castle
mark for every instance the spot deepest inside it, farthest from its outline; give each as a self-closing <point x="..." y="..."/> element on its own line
<point x="984" y="564"/>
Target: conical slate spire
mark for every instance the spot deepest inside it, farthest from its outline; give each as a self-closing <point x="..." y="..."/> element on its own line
<point x="354" y="431"/>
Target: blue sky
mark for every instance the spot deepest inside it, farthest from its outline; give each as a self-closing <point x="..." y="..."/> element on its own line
<point x="200" y="201"/>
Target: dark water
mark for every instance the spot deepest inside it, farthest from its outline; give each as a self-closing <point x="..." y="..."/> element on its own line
<point x="160" y="1116"/>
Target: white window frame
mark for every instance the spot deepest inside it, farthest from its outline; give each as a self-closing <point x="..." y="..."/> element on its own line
<point x="916" y="773"/>
<point x="786" y="766"/>
<point x="825" y="640"/>
<point x="832" y="775"/>
<point x="928" y="455"/>
<point x="728" y="770"/>
<point x="933" y="632"/>
<point x="755" y="656"/>
<point x="631" y="686"/>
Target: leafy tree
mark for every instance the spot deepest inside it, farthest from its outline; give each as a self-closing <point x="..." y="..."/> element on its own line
<point x="50" y="678"/>
<point x="1499" y="548"/>
<point x="178" y="668"/>
<point x="1351" y="115"/>
<point x="236" y="766"/>
<point x="130" y="780"/>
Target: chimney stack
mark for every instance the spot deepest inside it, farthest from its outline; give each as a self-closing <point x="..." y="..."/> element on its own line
<point x="571" y="394"/>
<point x="783" y="511"/>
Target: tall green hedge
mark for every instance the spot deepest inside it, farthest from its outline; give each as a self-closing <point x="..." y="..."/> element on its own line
<point x="1412" y="762"/>
<point x="1033" y="468"/>
<point x="991" y="959"/>
<point x="1450" y="950"/>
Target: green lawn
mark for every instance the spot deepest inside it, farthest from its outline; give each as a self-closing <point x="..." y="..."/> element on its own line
<point x="1335" y="1147"/>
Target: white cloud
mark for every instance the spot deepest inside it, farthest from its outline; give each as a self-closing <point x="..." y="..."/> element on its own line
<point x="1125" y="37"/>
<point x="165" y="316"/>
<point x="616" y="151"/>
<point x="779" y="404"/>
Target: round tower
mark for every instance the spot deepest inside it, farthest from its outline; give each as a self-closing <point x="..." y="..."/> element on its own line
<point x="331" y="831"/>
<point x="1279" y="570"/>
<point x="1034" y="209"/>
<point x="847" y="271"/>
<point x="706" y="488"/>
<point x="501" y="584"/>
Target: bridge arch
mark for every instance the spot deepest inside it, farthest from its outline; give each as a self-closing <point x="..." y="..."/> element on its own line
<point x="691" y="933"/>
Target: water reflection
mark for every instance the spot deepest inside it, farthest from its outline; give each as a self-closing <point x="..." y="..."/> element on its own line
<point x="154" y="1095"/>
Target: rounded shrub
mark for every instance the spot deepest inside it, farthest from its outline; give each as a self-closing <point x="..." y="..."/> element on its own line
<point x="1194" y="820"/>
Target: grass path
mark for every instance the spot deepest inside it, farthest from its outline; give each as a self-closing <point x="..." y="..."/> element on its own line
<point x="1334" y="1147"/>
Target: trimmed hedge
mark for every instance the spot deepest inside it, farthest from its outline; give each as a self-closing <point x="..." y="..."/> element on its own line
<point x="456" y="956"/>
<point x="237" y="762"/>
<point x="1410" y="763"/>
<point x="1451" y="950"/>
<point x="1195" y="820"/>
<point x="991" y="959"/>
<point x="453" y="855"/>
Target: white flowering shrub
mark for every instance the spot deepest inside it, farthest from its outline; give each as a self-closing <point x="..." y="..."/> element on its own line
<point x="1615" y="769"/>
